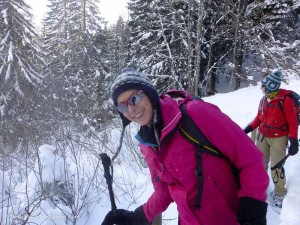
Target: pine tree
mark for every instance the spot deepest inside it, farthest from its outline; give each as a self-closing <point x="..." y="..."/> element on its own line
<point x="272" y="35"/>
<point x="281" y="20"/>
<point x="171" y="42"/>
<point x="118" y="44"/>
<point x="77" y="63"/>
<point x="20" y="78"/>
<point x="19" y="74"/>
<point x="157" y="47"/>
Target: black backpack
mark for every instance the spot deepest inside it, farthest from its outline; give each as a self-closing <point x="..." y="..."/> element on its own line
<point x="189" y="130"/>
<point x="296" y="98"/>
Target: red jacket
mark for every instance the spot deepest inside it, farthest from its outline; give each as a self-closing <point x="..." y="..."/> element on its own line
<point x="277" y="117"/>
<point x="173" y="166"/>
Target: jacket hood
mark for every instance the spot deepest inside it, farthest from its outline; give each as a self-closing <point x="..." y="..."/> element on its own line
<point x="170" y="103"/>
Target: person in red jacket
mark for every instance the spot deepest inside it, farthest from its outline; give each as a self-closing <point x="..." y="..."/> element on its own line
<point x="277" y="124"/>
<point x="172" y="159"/>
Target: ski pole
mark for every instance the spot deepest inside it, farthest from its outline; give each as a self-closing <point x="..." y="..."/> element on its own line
<point x="106" y="161"/>
<point x="279" y="164"/>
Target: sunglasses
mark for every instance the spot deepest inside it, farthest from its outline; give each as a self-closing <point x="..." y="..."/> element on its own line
<point x="134" y="100"/>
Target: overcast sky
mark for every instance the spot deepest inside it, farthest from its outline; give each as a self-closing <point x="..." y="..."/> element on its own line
<point x="112" y="9"/>
<point x="109" y="9"/>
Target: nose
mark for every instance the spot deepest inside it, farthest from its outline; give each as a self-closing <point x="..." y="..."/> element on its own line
<point x="131" y="108"/>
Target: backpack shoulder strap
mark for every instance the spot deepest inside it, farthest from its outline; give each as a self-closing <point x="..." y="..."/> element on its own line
<point x="193" y="134"/>
<point x="190" y="131"/>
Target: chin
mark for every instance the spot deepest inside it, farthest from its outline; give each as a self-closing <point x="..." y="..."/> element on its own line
<point x="143" y="123"/>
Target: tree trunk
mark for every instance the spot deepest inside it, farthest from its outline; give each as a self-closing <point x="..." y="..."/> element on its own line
<point x="237" y="49"/>
<point x="240" y="47"/>
<point x="213" y="78"/>
<point x="198" y="47"/>
<point x="190" y="51"/>
<point x="238" y="67"/>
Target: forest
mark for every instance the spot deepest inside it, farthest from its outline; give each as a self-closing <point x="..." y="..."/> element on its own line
<point x="55" y="79"/>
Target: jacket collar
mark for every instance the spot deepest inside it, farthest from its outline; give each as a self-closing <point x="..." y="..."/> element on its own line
<point x="166" y="119"/>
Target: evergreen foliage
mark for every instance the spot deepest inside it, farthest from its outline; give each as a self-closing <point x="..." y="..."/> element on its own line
<point x="20" y="77"/>
<point x="200" y="46"/>
<point x="55" y="83"/>
<point x="118" y="45"/>
<point x="159" y="41"/>
<point x="76" y="55"/>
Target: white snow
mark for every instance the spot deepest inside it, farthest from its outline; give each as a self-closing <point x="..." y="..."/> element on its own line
<point x="242" y="106"/>
<point x="132" y="185"/>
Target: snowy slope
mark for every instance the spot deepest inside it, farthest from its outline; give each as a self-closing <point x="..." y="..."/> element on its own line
<point x="132" y="185"/>
<point x="242" y="106"/>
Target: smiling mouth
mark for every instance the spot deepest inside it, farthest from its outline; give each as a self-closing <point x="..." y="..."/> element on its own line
<point x="138" y="115"/>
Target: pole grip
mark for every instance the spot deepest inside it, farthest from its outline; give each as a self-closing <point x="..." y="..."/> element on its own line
<point x="106" y="161"/>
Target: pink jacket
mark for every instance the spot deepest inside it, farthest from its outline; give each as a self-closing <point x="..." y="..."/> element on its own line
<point x="173" y="166"/>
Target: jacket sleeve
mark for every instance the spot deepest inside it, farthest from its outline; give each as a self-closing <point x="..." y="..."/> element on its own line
<point x="160" y="199"/>
<point x="231" y="140"/>
<point x="290" y="113"/>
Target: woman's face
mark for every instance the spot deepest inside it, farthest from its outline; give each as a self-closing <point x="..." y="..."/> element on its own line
<point x="263" y="89"/>
<point x="139" y="107"/>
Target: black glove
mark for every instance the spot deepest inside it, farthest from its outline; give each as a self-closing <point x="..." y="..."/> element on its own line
<point x="248" y="129"/>
<point x="294" y="146"/>
<point x="124" y="217"/>
<point x="252" y="211"/>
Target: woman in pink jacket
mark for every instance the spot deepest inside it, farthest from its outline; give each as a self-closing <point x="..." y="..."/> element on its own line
<point x="172" y="159"/>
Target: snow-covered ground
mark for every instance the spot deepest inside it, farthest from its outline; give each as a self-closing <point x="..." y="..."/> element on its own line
<point x="242" y="106"/>
<point x="132" y="185"/>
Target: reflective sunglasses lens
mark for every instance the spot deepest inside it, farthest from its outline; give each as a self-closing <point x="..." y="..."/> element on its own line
<point x="132" y="100"/>
<point x="135" y="99"/>
<point x="122" y="108"/>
